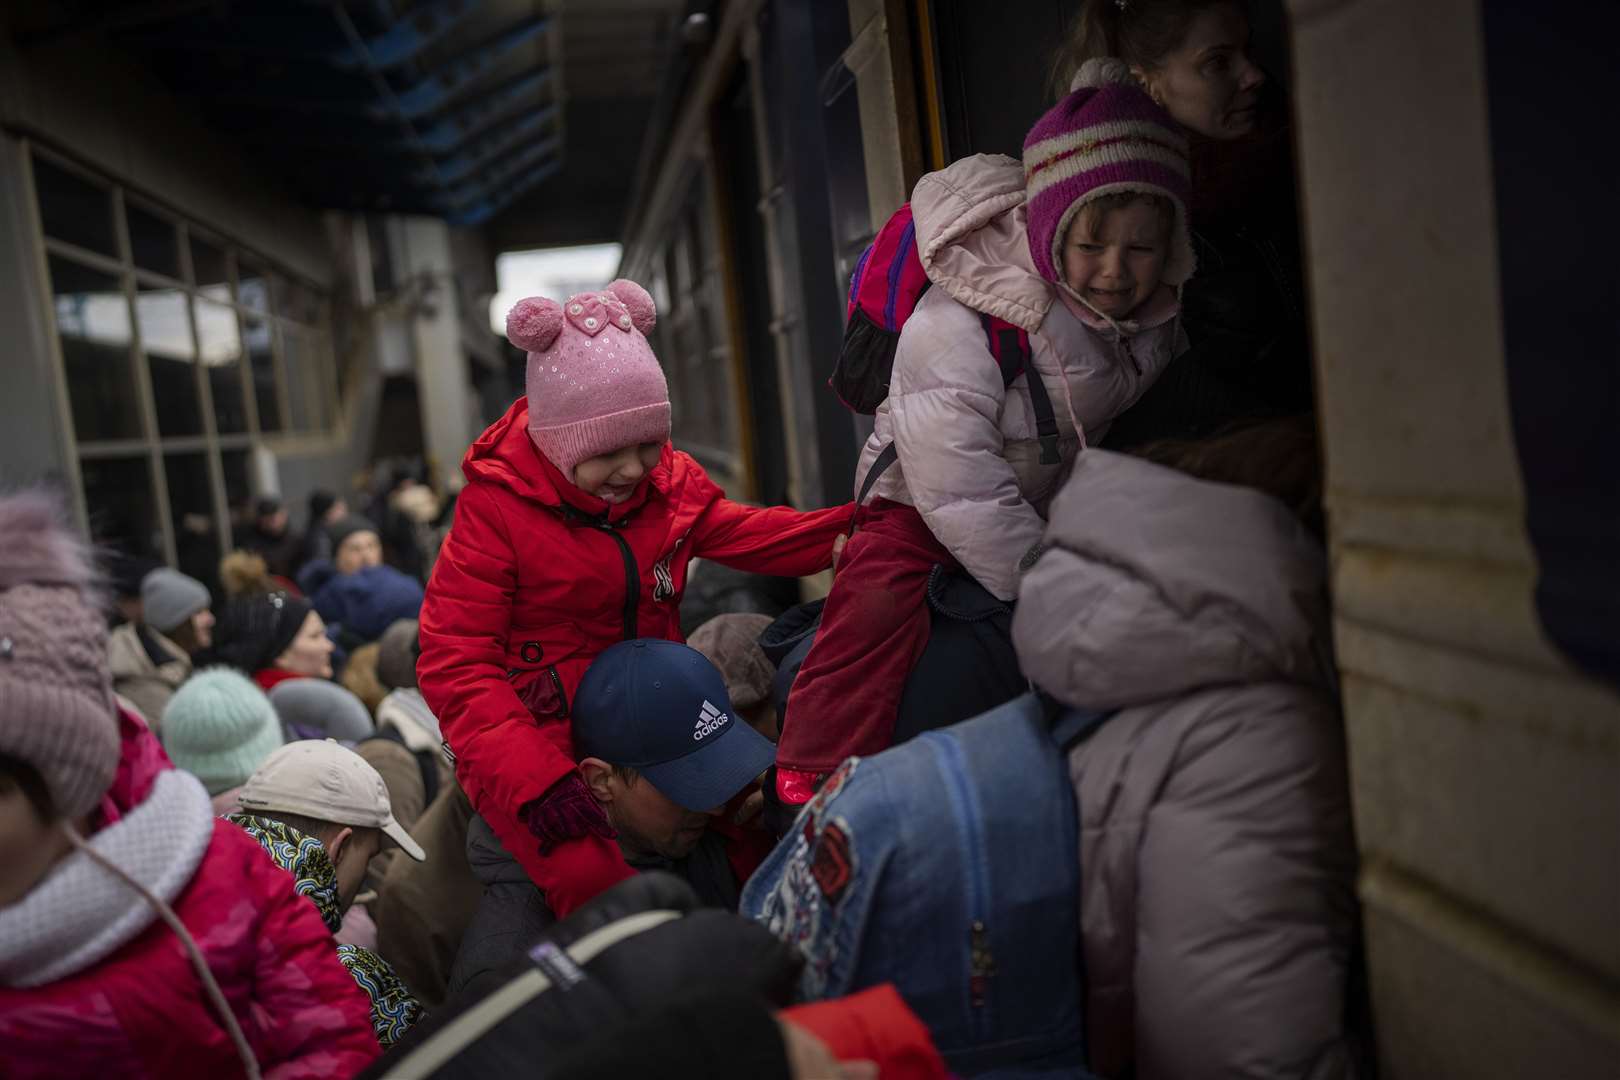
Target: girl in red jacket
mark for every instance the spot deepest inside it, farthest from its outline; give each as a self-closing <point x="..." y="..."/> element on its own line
<point x="574" y="532"/>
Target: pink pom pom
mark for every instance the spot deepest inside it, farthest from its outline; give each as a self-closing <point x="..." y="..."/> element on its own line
<point x="635" y="299"/>
<point x="533" y="324"/>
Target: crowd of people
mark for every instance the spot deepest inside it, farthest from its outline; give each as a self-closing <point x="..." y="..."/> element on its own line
<point x="1051" y="784"/>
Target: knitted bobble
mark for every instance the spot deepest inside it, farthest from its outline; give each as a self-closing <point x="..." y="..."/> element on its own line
<point x="635" y="299"/>
<point x="533" y="324"/>
<point x="1103" y="71"/>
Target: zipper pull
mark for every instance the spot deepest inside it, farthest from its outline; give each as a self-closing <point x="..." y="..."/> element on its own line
<point x="981" y="963"/>
<point x="1130" y="353"/>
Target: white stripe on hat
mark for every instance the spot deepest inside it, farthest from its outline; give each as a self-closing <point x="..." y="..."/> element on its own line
<point x="1119" y="154"/>
<point x="1046" y="149"/>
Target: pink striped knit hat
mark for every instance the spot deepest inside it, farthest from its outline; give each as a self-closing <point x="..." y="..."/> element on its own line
<point x="1107" y="136"/>
<point x="594" y="385"/>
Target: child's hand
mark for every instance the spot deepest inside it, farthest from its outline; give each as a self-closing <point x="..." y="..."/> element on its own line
<point x="838" y="548"/>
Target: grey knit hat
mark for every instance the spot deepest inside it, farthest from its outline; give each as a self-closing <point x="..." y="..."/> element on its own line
<point x="169" y="598"/>
<point x="317" y="708"/>
<point x="57" y="711"/>
<point x="342" y="529"/>
<point x="731" y="642"/>
<point x="397" y="655"/>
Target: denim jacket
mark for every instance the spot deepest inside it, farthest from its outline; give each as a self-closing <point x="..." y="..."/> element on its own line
<point x="947" y="866"/>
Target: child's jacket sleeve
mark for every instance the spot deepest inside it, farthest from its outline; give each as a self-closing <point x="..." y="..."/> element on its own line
<point x="775" y="540"/>
<point x="501" y="753"/>
<point x="945" y="401"/>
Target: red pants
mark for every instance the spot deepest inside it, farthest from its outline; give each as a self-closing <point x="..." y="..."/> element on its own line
<point x="873" y="630"/>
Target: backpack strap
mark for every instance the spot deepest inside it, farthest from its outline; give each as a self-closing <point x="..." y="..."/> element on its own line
<point x="1010" y="346"/>
<point x="885" y="458"/>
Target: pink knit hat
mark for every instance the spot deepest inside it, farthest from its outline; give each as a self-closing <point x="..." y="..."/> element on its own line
<point x="57" y="710"/>
<point x="1107" y="136"/>
<point x="593" y="383"/>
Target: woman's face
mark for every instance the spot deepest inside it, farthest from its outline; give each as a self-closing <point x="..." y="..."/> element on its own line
<point x="310" y="652"/>
<point x="1209" y="84"/>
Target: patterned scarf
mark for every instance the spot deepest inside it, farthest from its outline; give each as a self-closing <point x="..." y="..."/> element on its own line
<point x="393" y="1007"/>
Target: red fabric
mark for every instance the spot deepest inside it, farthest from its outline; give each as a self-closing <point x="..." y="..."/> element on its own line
<point x="142" y="1011"/>
<point x="873" y="630"/>
<point x="747" y="846"/>
<point x="286" y="585"/>
<point x="268" y="677"/>
<point x="523" y="598"/>
<point x="873" y="1025"/>
<point x="140" y="760"/>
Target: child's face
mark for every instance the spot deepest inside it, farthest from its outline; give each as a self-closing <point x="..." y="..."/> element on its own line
<point x="29" y="847"/>
<point x="613" y="477"/>
<point x="1116" y="257"/>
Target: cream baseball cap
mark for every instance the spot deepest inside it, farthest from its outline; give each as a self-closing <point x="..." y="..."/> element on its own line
<point x="322" y="780"/>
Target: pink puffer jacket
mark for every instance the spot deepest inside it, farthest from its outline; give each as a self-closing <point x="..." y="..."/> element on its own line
<point x="92" y="983"/>
<point x="968" y="457"/>
<point x="1216" y="854"/>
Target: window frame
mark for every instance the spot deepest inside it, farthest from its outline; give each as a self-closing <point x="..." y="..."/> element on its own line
<point x="152" y="445"/>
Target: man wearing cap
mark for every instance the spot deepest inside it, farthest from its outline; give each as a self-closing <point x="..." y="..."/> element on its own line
<point x="662" y="754"/>
<point x="321" y="813"/>
<point x="151" y="657"/>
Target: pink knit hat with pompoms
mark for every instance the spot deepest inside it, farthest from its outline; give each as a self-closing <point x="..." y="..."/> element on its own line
<point x="593" y="383"/>
<point x="57" y="710"/>
<point x="1107" y="136"/>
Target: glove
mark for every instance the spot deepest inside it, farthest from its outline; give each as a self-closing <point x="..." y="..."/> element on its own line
<point x="567" y="811"/>
<point x="795" y="788"/>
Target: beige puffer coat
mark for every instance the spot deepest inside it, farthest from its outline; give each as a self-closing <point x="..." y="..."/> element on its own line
<point x="1216" y="853"/>
<point x="968" y="456"/>
<point x="145" y="683"/>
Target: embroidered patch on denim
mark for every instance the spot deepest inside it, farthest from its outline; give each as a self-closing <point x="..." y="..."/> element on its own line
<point x="830" y="862"/>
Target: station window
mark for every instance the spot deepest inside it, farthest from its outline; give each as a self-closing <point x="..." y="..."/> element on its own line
<point x="692" y="339"/>
<point x="181" y="350"/>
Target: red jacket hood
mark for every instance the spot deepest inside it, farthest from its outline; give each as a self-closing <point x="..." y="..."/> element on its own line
<point x="505" y="455"/>
<point x="140" y="759"/>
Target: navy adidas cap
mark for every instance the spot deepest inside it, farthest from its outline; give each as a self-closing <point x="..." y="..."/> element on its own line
<point x="662" y="709"/>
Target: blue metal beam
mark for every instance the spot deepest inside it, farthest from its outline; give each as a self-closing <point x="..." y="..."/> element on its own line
<point x="406" y="38"/>
<point x="482" y="211"/>
<point x="508" y="137"/>
<point x="454" y="128"/>
<point x="435" y="91"/>
<point x="502" y="171"/>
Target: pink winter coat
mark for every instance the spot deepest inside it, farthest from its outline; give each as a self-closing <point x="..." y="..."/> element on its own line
<point x="968" y="456"/>
<point x="1217" y="861"/>
<point x="93" y="983"/>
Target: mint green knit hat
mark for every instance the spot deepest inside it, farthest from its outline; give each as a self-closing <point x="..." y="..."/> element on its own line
<point x="219" y="727"/>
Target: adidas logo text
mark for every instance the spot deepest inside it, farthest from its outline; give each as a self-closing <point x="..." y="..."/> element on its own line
<point x="710" y="720"/>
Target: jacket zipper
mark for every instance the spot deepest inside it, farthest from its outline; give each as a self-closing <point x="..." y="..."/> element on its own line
<point x="632" y="579"/>
<point x="981" y="958"/>
<point x="1130" y="353"/>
